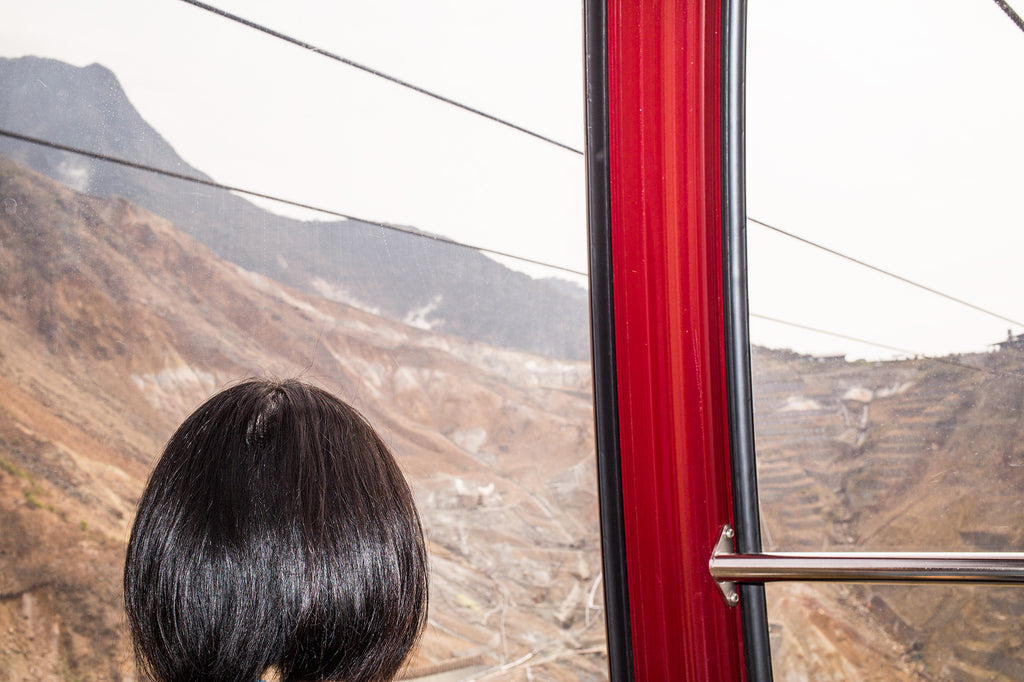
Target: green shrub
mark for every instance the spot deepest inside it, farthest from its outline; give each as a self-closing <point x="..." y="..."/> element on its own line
<point x="12" y="469"/>
<point x="31" y="501"/>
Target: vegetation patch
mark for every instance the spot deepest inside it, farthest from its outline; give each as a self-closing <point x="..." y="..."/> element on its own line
<point x="13" y="469"/>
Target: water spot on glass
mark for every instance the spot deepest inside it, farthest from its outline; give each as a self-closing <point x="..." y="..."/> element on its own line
<point x="10" y="206"/>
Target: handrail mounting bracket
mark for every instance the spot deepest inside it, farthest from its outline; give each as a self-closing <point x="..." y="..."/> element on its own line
<point x="724" y="546"/>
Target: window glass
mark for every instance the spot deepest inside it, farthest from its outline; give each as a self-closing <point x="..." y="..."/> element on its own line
<point x="887" y="357"/>
<point x="895" y="632"/>
<point x="129" y="297"/>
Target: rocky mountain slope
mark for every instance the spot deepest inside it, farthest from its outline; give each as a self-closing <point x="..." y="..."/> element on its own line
<point x="447" y="288"/>
<point x="913" y="455"/>
<point x="115" y="322"/>
<point x="114" y="325"/>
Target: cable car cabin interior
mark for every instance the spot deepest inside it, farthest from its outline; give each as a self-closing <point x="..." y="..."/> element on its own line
<point x="705" y="365"/>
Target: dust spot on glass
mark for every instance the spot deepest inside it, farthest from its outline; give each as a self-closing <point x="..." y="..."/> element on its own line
<point x="10" y="206"/>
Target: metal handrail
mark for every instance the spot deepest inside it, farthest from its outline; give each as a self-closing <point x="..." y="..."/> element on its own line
<point x="727" y="568"/>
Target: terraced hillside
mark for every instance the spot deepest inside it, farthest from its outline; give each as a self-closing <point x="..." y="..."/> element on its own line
<point x="906" y="455"/>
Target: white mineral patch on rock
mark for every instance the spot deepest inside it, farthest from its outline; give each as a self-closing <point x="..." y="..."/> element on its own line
<point x="405" y="379"/>
<point x="174" y="379"/>
<point x="470" y="440"/>
<point x="373" y="374"/>
<point x="514" y="367"/>
<point x="341" y="295"/>
<point x="895" y="389"/>
<point x="860" y="394"/>
<point x="176" y="388"/>
<point x="74" y="174"/>
<point x="469" y="494"/>
<point x="420" y="317"/>
<point x="799" y="403"/>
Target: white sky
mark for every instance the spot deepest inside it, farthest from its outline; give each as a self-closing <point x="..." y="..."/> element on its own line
<point x="886" y="129"/>
<point x="889" y="130"/>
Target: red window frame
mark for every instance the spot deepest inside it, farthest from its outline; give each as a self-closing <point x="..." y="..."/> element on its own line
<point x="657" y="185"/>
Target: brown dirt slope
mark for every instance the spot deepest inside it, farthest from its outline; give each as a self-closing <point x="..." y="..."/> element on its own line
<point x="113" y="325"/>
<point x="912" y="455"/>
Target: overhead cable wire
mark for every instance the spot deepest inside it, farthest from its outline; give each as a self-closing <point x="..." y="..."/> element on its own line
<point x="1014" y="17"/>
<point x="888" y="273"/>
<point x="380" y="74"/>
<point x="837" y="335"/>
<point x="875" y="344"/>
<point x="280" y="200"/>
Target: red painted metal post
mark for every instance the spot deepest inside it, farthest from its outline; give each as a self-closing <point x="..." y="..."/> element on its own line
<point x="664" y="156"/>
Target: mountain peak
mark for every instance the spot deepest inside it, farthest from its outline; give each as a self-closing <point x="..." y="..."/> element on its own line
<point x="477" y="298"/>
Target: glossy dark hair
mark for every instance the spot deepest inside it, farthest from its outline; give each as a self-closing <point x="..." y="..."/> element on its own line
<point x="276" y="530"/>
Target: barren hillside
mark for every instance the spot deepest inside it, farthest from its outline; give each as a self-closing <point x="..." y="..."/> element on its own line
<point x="913" y="455"/>
<point x="114" y="324"/>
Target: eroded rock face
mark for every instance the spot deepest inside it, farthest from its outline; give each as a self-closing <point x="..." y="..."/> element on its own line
<point x="900" y="456"/>
<point x="114" y="325"/>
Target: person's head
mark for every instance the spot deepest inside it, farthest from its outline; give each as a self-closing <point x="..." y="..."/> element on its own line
<point x="275" y="531"/>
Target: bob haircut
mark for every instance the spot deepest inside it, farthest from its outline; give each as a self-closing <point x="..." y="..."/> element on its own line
<point x="275" y="531"/>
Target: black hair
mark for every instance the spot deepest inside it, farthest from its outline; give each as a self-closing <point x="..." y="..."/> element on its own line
<point x="275" y="531"/>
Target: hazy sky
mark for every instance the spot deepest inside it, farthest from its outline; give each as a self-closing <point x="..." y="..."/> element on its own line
<point x="256" y="112"/>
<point x="891" y="131"/>
<point x="885" y="129"/>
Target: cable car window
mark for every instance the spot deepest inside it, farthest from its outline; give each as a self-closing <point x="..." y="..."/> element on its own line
<point x="886" y="325"/>
<point x="192" y="195"/>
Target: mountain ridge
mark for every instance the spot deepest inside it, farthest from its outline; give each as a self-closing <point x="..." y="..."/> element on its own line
<point x="396" y="274"/>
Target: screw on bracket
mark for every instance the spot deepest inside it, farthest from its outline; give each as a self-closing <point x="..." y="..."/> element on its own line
<point x="722" y="547"/>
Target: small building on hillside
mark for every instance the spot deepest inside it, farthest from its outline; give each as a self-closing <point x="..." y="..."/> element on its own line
<point x="1012" y="342"/>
